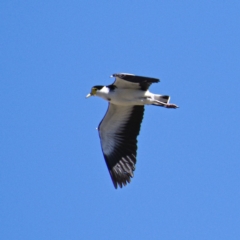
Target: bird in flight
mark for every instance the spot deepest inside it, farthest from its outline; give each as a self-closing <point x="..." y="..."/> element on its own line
<point x="121" y="124"/>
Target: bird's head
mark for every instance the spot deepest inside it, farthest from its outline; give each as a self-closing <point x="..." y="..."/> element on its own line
<point x="94" y="90"/>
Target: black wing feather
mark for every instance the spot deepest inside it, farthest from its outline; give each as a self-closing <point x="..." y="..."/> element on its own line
<point x="142" y="83"/>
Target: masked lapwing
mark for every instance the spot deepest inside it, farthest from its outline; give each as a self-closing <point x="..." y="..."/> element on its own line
<point x="121" y="124"/>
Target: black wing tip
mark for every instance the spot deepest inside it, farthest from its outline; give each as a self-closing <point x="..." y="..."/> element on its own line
<point x="121" y="183"/>
<point x="129" y="76"/>
<point x="122" y="172"/>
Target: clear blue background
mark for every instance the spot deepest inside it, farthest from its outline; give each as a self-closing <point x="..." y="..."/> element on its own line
<point x="54" y="183"/>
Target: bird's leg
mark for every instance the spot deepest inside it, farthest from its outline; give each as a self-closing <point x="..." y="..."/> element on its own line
<point x="166" y="105"/>
<point x="171" y="105"/>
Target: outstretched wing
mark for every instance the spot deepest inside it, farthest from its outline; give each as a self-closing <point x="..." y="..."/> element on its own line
<point x="118" y="133"/>
<point x="126" y="80"/>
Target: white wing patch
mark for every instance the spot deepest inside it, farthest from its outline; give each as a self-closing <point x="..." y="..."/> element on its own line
<point x="120" y="83"/>
<point x="114" y="120"/>
<point x="130" y="81"/>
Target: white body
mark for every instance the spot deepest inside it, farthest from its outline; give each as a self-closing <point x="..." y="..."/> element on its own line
<point x="126" y="97"/>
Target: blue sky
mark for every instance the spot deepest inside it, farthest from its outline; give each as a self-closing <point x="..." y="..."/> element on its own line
<point x="54" y="183"/>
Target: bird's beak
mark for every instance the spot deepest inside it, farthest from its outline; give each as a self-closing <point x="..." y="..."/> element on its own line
<point x="92" y="93"/>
